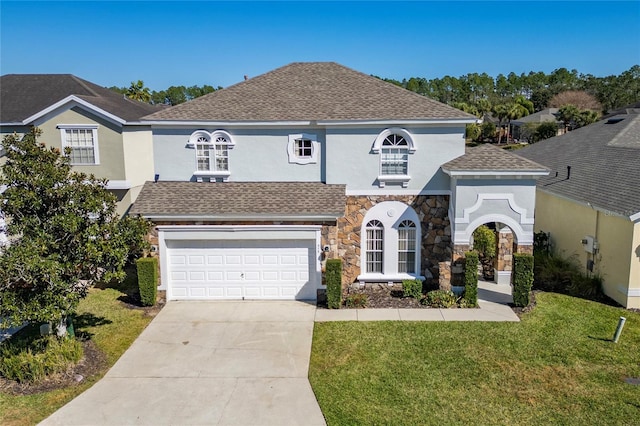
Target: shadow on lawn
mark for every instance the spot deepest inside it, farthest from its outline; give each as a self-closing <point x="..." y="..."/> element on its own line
<point x="83" y="321"/>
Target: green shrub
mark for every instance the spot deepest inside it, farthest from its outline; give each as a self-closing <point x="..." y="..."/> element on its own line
<point x="412" y="288"/>
<point x="440" y="299"/>
<point x="333" y="276"/>
<point x="147" y="280"/>
<point x="357" y="300"/>
<point x="555" y="273"/>
<point x="471" y="278"/>
<point x="31" y="360"/>
<point x="485" y="242"/>
<point x="522" y="278"/>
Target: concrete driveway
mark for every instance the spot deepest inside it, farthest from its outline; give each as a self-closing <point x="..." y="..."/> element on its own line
<point x="209" y="363"/>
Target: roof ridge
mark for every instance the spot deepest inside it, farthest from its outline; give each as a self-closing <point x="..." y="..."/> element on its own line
<point x="83" y="84"/>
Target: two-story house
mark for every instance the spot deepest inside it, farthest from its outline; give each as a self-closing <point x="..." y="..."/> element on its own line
<point x="260" y="182"/>
<point x="102" y="128"/>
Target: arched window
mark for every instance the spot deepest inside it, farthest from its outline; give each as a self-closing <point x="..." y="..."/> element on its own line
<point x="390" y="243"/>
<point x="212" y="153"/>
<point x="407" y="247"/>
<point x="394" y="145"/>
<point x="394" y="158"/>
<point x="374" y="253"/>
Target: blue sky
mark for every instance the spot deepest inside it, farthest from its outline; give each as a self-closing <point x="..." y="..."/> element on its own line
<point x="184" y="43"/>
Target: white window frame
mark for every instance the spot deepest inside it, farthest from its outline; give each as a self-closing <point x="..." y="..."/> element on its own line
<point x="94" y="130"/>
<point x="378" y="148"/>
<point x="196" y="140"/>
<point x="391" y="215"/>
<point x="292" y="152"/>
<point x="375" y="244"/>
<point x="407" y="243"/>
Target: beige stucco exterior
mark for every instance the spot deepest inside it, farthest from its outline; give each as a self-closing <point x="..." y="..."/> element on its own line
<point x="125" y="152"/>
<point x="617" y="259"/>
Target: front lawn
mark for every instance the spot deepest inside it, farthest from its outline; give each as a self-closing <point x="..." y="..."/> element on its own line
<point x="557" y="366"/>
<point x="111" y="325"/>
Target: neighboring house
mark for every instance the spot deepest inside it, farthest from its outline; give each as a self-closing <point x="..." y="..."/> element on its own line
<point x="590" y="203"/>
<point x="546" y="115"/>
<point x="261" y="182"/>
<point x="101" y="127"/>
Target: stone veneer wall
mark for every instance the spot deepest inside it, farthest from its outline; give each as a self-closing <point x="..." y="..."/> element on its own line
<point x="432" y="211"/>
<point x="504" y="258"/>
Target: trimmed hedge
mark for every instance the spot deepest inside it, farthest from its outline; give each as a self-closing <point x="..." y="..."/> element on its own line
<point x="471" y="260"/>
<point x="147" y="280"/>
<point x="412" y="288"/>
<point x="333" y="276"/>
<point x="522" y="278"/>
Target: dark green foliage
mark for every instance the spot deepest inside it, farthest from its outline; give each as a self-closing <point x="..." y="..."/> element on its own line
<point x="31" y="360"/>
<point x="148" y="280"/>
<point x="357" y="300"/>
<point x="440" y="299"/>
<point x="522" y="278"/>
<point x="333" y="276"/>
<point x="412" y="288"/>
<point x="553" y="272"/>
<point x="545" y="130"/>
<point x="471" y="278"/>
<point x="66" y="234"/>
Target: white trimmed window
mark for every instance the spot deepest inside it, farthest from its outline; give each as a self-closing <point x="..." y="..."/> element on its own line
<point x="390" y="243"/>
<point x="407" y="247"/>
<point x="303" y="148"/>
<point x="394" y="146"/>
<point x="212" y="153"/>
<point x="374" y="253"/>
<point x="83" y="141"/>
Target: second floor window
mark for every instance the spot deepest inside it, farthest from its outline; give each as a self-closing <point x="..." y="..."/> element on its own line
<point x="83" y="142"/>
<point x="394" y="156"/>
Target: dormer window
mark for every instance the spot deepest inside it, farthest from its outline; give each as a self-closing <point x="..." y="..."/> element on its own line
<point x="394" y="146"/>
<point x="303" y="148"/>
<point x="212" y="153"/>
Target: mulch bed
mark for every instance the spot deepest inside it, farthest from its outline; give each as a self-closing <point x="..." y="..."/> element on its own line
<point x="93" y="362"/>
<point x="386" y="296"/>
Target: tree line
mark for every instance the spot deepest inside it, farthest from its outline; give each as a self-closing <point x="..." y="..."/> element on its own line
<point x="581" y="98"/>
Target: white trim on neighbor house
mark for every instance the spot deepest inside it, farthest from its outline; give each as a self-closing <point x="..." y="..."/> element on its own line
<point x="292" y="153"/>
<point x="510" y="198"/>
<point x="635" y="217"/>
<point x="80" y="102"/>
<point x="118" y="184"/>
<point x="629" y="292"/>
<point x="237" y="232"/>
<point x="94" y="130"/>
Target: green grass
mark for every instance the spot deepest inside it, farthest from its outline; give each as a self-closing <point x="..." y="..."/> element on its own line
<point x="557" y="366"/>
<point x="113" y="328"/>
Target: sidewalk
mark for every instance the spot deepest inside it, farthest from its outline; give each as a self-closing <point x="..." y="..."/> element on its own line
<point x="493" y="301"/>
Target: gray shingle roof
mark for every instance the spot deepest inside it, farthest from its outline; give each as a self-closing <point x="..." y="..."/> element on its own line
<point x="311" y="91"/>
<point x="488" y="158"/>
<point x="23" y="95"/>
<point x="240" y="199"/>
<point x="605" y="164"/>
<point x="539" y="117"/>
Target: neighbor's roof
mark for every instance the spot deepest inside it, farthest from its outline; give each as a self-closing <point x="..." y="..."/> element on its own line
<point x="23" y="95"/>
<point x="311" y="91"/>
<point x="605" y="164"/>
<point x="240" y="199"/>
<point x="548" y="114"/>
<point x="488" y="159"/>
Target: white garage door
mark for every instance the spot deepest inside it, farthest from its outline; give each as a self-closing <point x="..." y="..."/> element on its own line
<point x="249" y="269"/>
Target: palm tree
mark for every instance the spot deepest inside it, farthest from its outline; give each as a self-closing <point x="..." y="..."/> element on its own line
<point x="138" y="92"/>
<point x="501" y="112"/>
